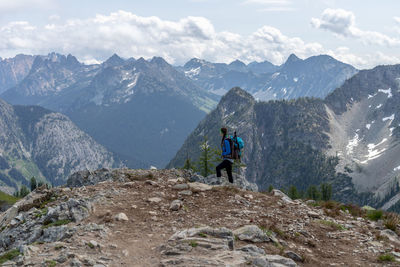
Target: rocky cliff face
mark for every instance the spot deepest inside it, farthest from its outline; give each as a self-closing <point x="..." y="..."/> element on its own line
<point x="350" y="139"/>
<point x="314" y="77"/>
<point x="160" y="218"/>
<point x="47" y="145"/>
<point x="14" y="70"/>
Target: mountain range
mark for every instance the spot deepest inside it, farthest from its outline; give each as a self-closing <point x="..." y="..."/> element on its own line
<point x="315" y="76"/>
<point x="38" y="142"/>
<point x="141" y="110"/>
<point x="350" y="139"/>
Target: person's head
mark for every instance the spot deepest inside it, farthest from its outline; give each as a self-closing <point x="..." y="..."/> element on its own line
<point x="224" y="131"/>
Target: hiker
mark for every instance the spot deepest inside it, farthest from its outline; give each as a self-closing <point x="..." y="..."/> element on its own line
<point x="226" y="155"/>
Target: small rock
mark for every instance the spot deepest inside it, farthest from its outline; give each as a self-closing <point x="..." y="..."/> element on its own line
<point x="185" y="193"/>
<point x="282" y="261"/>
<point x="62" y="258"/>
<point x="313" y="214"/>
<point x="150" y="182"/>
<point x="396" y="254"/>
<point x="121" y="217"/>
<point x="294" y="256"/>
<point x="154" y="200"/>
<point x="93" y="244"/>
<point x="180" y="187"/>
<point x="76" y="263"/>
<point x="125" y="253"/>
<point x="175" y="205"/>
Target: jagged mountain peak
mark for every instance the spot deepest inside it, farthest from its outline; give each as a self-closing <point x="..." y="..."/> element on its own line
<point x="236" y="97"/>
<point x="114" y="60"/>
<point x="159" y="61"/>
<point x="237" y="63"/>
<point x="292" y="59"/>
<point x="195" y="62"/>
<point x="55" y="59"/>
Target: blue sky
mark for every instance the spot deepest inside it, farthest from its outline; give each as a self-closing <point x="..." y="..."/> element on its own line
<point x="364" y="33"/>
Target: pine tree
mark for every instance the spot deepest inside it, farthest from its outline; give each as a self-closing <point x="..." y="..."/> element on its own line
<point x="313" y="193"/>
<point x="188" y="164"/>
<point x="205" y="163"/>
<point x="33" y="183"/>
<point x="22" y="192"/>
<point x="270" y="188"/>
<point x="293" y="194"/>
<point x="326" y="190"/>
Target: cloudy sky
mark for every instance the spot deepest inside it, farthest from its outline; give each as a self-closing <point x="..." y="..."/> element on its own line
<point x="364" y="33"/>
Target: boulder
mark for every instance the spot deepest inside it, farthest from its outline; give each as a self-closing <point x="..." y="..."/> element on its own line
<point x="154" y="200"/>
<point x="251" y="233"/>
<point x="206" y="246"/>
<point x="180" y="187"/>
<point x="199" y="187"/>
<point x="294" y="256"/>
<point x="391" y="235"/>
<point x="282" y="195"/>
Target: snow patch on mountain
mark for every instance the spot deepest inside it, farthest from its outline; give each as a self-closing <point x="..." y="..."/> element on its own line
<point x="193" y="72"/>
<point x="391" y="118"/>
<point x="276" y="74"/>
<point x="374" y="153"/>
<point x="378" y="106"/>
<point x="352" y="144"/>
<point x="387" y="91"/>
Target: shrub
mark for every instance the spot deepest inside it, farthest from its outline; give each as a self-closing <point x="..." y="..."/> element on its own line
<point x="374" y="215"/>
<point x="391" y="221"/>
<point x="193" y="244"/>
<point x="386" y="257"/>
<point x="9" y="255"/>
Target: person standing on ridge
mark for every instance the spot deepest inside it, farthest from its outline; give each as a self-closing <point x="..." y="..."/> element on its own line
<point x="226" y="145"/>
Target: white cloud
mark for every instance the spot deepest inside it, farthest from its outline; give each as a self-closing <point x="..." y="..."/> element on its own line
<point x="343" y="23"/>
<point x="14" y="5"/>
<point x="271" y="5"/>
<point x="94" y="39"/>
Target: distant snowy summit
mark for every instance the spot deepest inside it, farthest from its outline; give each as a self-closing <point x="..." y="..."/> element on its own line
<point x="316" y="76"/>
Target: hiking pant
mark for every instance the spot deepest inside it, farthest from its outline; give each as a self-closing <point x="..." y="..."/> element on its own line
<point x="227" y="165"/>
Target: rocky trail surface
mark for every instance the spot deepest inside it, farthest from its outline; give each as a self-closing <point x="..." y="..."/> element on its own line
<point x="128" y="217"/>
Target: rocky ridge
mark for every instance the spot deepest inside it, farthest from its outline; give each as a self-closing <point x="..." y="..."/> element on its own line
<point x="158" y="217"/>
<point x="38" y="142"/>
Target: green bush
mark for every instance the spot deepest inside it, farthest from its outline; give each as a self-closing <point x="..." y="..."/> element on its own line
<point x="374" y="215"/>
<point x="386" y="257"/>
<point x="9" y="255"/>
